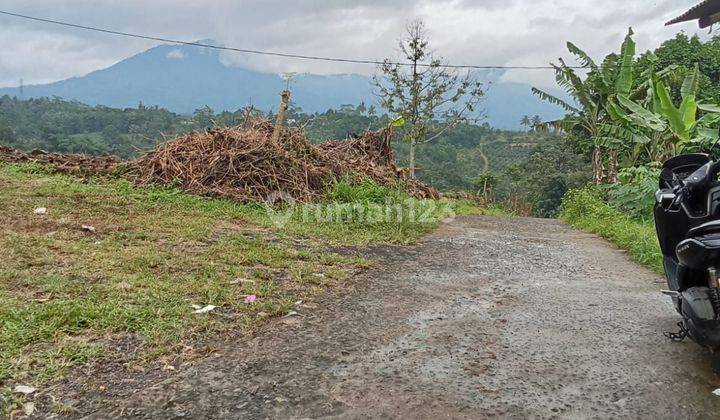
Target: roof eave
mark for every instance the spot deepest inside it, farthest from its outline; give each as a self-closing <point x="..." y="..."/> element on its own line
<point x="706" y="12"/>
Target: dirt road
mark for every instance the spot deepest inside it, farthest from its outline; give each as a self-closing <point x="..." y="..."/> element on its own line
<point x="486" y="317"/>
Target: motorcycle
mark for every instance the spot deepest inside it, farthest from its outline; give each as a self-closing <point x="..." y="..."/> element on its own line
<point x="687" y="220"/>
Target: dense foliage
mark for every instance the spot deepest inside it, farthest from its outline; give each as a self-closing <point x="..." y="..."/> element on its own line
<point x="65" y="126"/>
<point x="685" y="52"/>
<point x="552" y="170"/>
<point x="630" y="113"/>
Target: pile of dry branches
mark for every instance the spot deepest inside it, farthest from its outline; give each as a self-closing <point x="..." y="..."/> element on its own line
<point x="246" y="164"/>
<point x="239" y="163"/>
<point x="68" y="163"/>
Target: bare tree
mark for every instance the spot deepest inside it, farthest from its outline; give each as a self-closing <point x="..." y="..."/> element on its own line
<point x="430" y="96"/>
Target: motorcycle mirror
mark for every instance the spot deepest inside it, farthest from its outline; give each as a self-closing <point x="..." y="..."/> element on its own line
<point x="667" y="200"/>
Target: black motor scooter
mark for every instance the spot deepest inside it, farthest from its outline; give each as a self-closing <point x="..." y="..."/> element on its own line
<point x="687" y="220"/>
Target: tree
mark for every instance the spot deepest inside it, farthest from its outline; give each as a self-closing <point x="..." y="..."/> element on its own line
<point x="686" y="52"/>
<point x="203" y="118"/>
<point x="525" y="121"/>
<point x="7" y="135"/>
<point x="430" y="96"/>
<point x="590" y="118"/>
<point x="536" y="122"/>
<point x="675" y="129"/>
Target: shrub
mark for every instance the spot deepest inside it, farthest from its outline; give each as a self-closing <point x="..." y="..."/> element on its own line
<point x="635" y="193"/>
<point x="585" y="209"/>
<point x="484" y="186"/>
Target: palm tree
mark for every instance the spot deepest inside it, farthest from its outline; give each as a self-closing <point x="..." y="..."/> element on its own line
<point x="536" y="122"/>
<point x="525" y="121"/>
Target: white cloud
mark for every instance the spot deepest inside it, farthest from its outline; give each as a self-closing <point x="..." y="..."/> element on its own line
<point x="176" y="54"/>
<point x="488" y="32"/>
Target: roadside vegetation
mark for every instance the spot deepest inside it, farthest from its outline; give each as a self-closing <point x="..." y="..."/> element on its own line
<point x="586" y="209"/>
<point x="628" y="115"/>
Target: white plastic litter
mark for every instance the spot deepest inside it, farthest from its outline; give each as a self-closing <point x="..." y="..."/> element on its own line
<point x="24" y="389"/>
<point x="717" y="392"/>
<point x="40" y="210"/>
<point x="203" y="309"/>
<point x="29" y="408"/>
<point x="88" y="228"/>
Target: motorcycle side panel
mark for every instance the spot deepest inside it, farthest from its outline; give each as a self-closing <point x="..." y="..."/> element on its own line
<point x="700" y="253"/>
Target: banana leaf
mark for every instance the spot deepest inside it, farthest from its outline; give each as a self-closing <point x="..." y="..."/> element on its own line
<point x="642" y="115"/>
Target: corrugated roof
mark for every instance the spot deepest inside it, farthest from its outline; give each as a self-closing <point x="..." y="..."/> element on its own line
<point x="707" y="13"/>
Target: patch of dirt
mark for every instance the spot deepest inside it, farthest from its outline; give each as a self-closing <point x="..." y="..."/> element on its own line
<point x="474" y="321"/>
<point x="241" y="227"/>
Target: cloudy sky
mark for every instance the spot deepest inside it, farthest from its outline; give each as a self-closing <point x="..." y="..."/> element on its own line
<point x="482" y="32"/>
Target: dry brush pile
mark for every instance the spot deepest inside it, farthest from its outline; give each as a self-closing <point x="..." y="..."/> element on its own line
<point x="245" y="163"/>
<point x="67" y="163"/>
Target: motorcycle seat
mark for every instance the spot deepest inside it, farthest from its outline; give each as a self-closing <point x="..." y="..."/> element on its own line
<point x="700" y="252"/>
<point x="705" y="228"/>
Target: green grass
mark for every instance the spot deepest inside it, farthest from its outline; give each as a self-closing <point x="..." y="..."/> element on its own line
<point x="584" y="209"/>
<point x="371" y="213"/>
<point x="66" y="295"/>
<point x="365" y="191"/>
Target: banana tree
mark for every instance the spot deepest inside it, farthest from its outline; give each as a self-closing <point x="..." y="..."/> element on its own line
<point x="588" y="119"/>
<point x="640" y="132"/>
<point x="660" y="124"/>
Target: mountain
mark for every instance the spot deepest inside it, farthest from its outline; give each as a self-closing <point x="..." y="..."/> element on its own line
<point x="184" y="78"/>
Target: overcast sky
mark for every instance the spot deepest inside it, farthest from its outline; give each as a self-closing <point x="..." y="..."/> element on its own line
<point x="483" y="32"/>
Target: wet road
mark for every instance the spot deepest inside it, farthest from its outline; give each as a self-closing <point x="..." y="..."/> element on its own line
<point x="505" y="317"/>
